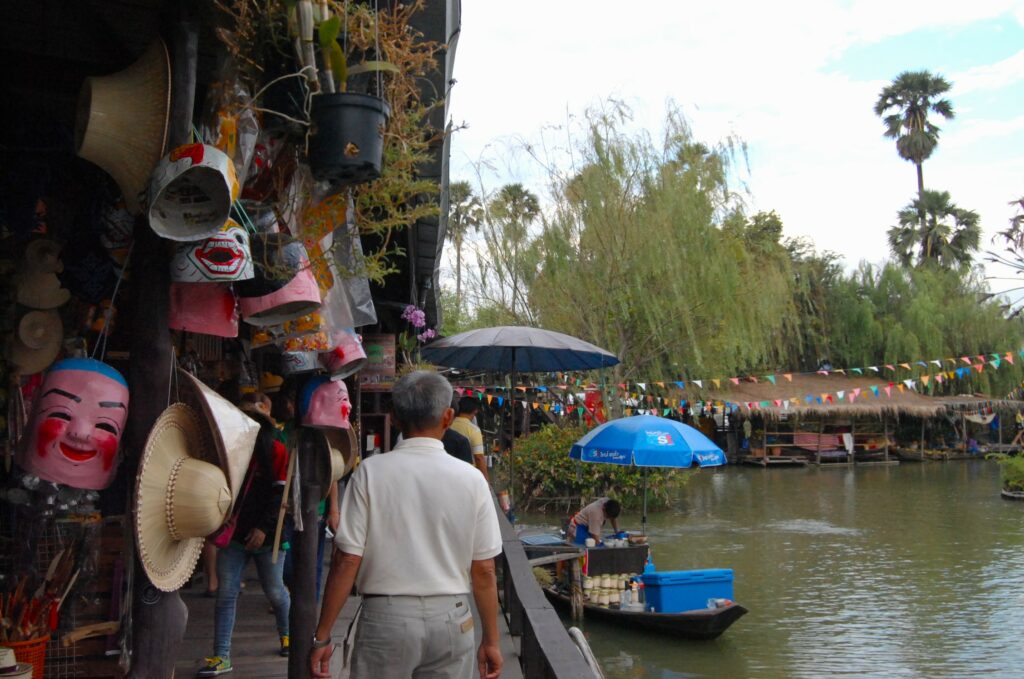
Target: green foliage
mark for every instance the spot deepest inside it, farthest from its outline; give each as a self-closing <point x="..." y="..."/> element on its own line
<point x="544" y="470"/>
<point x="904" y="106"/>
<point x="935" y="231"/>
<point x="1012" y="468"/>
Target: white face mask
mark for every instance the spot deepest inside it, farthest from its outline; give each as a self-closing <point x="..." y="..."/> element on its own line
<point x="222" y="257"/>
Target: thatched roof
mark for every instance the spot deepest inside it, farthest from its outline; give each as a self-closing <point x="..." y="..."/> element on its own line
<point x="824" y="396"/>
<point x="975" y="402"/>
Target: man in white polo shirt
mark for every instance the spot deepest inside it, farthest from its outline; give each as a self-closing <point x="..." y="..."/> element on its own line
<point x="418" y="533"/>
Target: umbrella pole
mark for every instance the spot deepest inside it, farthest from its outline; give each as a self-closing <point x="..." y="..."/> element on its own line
<point x="512" y="441"/>
<point x="644" y="519"/>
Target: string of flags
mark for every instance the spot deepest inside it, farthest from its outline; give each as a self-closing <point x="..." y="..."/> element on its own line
<point x="642" y="397"/>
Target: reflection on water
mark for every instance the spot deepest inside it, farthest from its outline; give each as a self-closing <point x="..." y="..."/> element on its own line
<point x="908" y="571"/>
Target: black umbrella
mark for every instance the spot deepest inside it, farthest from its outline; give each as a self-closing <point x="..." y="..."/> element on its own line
<point x="512" y="349"/>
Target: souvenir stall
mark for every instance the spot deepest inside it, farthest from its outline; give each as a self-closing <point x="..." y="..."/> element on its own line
<point x="197" y="200"/>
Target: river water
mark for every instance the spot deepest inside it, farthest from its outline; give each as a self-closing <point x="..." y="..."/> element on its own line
<point x="914" y="570"/>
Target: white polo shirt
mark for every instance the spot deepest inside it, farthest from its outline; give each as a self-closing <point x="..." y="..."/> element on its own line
<point x="419" y="518"/>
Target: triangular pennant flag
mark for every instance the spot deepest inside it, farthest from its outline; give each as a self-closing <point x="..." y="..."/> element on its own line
<point x="642" y="385"/>
<point x="734" y="380"/>
<point x="778" y="403"/>
<point x="889" y="366"/>
<point x="873" y="367"/>
<point x="953" y="373"/>
<point x="660" y="384"/>
<point x="856" y="392"/>
<point x="501" y="401"/>
<point x="622" y="386"/>
<point x="679" y="384"/>
<point x="857" y="370"/>
<point x="874" y="390"/>
<point x="628" y="411"/>
<point x="770" y="378"/>
<point x="888" y="390"/>
<point x="996" y="362"/>
<point x="937" y="362"/>
<point x="542" y="388"/>
<point x="922" y="364"/>
<point x="795" y="401"/>
<point x="924" y="379"/>
<point x="951" y="360"/>
<point x="789" y="377"/>
<point x="717" y="383"/>
<point x="823" y="397"/>
<point x="764" y="404"/>
<point x="905" y="365"/>
<point x="809" y="398"/>
<point x="981" y="359"/>
<point x="522" y="389"/>
<point x="823" y="372"/>
<point x="965" y="360"/>
<point x="579" y="411"/>
<point x="536" y="405"/>
<point x="1009" y="357"/>
<point x="840" y="371"/>
<point x="909" y="383"/>
<point x="819" y="398"/>
<point x="667" y="411"/>
<point x="699" y="383"/>
<point x="840" y="394"/>
<point x="547" y="407"/>
<point x="900" y="387"/>
<point x="995" y="356"/>
<point x="753" y="379"/>
<point x="980" y="367"/>
<point x="851" y="397"/>
<point x="939" y="377"/>
<point x="489" y="399"/>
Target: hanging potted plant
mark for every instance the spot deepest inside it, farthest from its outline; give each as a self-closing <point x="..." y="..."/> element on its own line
<point x="346" y="140"/>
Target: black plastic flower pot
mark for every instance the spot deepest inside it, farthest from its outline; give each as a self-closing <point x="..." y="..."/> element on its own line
<point x="347" y="141"/>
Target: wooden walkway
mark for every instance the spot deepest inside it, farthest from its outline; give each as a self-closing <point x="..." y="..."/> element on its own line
<point x="254" y="644"/>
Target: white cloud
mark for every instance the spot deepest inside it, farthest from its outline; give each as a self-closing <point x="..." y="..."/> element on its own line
<point x="751" y="68"/>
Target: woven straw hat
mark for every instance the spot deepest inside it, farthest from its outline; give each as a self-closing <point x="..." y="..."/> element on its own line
<point x="338" y="456"/>
<point x="181" y="497"/>
<point x="37" y="342"/>
<point x="233" y="432"/>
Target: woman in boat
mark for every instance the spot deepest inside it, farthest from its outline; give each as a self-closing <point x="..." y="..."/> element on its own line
<point x="588" y="521"/>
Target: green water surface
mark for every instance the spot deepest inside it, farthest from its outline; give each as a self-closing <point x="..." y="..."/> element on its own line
<point x="915" y="570"/>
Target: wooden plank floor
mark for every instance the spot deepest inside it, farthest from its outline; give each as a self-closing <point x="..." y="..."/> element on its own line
<point x="254" y="644"/>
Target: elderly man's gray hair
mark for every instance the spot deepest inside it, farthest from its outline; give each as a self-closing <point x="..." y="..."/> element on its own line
<point x="419" y="399"/>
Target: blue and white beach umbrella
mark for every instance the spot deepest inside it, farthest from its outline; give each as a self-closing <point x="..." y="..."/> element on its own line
<point x="648" y="441"/>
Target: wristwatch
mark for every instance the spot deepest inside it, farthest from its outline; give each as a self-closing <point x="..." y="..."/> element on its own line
<point x="321" y="643"/>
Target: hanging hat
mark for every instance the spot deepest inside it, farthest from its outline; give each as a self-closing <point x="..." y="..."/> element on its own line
<point x="122" y="121"/>
<point x="347" y="357"/>
<point x="191" y="193"/>
<point x="299" y="362"/>
<point x="335" y="455"/>
<point x="283" y="288"/>
<point x="222" y="257"/>
<point x="206" y="308"/>
<point x="36" y="282"/>
<point x="10" y="668"/>
<point x="182" y="496"/>
<point x="233" y="432"/>
<point x="37" y="342"/>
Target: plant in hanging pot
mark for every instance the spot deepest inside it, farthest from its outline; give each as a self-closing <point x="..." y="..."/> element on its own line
<point x="346" y="140"/>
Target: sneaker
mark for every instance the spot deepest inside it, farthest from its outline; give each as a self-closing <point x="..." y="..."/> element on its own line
<point x="285" y="643"/>
<point x="216" y="665"/>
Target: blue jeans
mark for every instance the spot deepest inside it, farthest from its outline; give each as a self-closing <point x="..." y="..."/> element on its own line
<point x="230" y="563"/>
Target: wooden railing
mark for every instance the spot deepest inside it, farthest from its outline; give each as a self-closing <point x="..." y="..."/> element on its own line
<point x="545" y="650"/>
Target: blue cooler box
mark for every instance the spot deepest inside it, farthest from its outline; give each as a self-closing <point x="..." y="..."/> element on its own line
<point x="675" y="591"/>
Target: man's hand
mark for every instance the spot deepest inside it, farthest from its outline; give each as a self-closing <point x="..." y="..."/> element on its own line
<point x="488" y="660"/>
<point x="320" y="661"/>
<point x="333" y="519"/>
<point x="254" y="540"/>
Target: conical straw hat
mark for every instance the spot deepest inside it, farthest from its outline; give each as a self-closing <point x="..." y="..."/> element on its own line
<point x="233" y="432"/>
<point x="122" y="121"/>
<point x="181" y="497"/>
<point x="37" y="342"/>
<point x="339" y="455"/>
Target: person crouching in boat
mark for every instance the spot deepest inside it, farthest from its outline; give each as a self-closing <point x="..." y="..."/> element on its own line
<point x="588" y="521"/>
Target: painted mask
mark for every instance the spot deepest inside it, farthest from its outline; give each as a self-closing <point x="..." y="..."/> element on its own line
<point x="76" y="426"/>
<point x="223" y="257"/>
<point x="324" y="404"/>
<point x="191" y="192"/>
<point x="347" y="357"/>
<point x="206" y="308"/>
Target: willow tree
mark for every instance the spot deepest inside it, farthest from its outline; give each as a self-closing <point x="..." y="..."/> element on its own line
<point x="634" y="259"/>
<point x="904" y="106"/>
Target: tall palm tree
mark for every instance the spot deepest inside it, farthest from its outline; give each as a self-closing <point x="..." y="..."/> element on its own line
<point x="515" y="208"/>
<point x="904" y="106"/>
<point x="465" y="213"/>
<point x="947" y="235"/>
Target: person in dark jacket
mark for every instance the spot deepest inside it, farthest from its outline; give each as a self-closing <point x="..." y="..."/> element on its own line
<point x="258" y="506"/>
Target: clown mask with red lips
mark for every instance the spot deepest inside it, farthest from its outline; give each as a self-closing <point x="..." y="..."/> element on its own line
<point x="324" y="404"/>
<point x="77" y="421"/>
<point x="220" y="258"/>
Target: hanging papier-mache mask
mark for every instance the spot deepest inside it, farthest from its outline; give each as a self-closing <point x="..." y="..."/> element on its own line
<point x="77" y="421"/>
<point x="324" y="404"/>
<point x="222" y="257"/>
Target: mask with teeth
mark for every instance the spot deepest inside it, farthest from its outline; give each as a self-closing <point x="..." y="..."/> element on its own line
<point x="223" y="257"/>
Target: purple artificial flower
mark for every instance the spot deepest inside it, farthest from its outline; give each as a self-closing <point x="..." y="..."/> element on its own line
<point x="415" y="316"/>
<point x="427" y="335"/>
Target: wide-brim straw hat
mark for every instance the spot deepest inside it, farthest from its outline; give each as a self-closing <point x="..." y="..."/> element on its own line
<point x="10" y="668"/>
<point x="233" y="432"/>
<point x="122" y="121"/>
<point x="40" y="290"/>
<point x="181" y="497"/>
<point x="37" y="342"/>
<point x="337" y="456"/>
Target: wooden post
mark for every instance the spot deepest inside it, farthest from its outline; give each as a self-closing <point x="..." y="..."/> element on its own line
<point x="963" y="429"/>
<point x="302" y="616"/>
<point x="851" y="456"/>
<point x="885" y="432"/>
<point x="576" y="583"/>
<point x="821" y="430"/>
<point x="159" y="618"/>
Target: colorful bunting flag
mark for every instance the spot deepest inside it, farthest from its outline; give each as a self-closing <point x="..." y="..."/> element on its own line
<point x="789" y="377"/>
<point x="770" y="378"/>
<point x="735" y="380"/>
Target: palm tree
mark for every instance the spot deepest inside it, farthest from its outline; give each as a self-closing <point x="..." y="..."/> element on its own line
<point x="465" y="212"/>
<point x="941" y="232"/>
<point x="515" y="208"/>
<point x="904" y="106"/>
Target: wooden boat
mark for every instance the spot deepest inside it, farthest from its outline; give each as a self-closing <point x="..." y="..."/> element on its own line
<point x="702" y="623"/>
<point x="1012" y="494"/>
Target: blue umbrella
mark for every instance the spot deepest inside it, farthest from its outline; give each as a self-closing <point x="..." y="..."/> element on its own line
<point x="648" y="441"/>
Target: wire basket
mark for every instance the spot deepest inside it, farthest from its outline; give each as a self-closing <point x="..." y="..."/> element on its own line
<point x="32" y="652"/>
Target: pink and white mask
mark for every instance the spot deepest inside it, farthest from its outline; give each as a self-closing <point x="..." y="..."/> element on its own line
<point x="347" y="357"/>
<point x="76" y="426"/>
<point x="324" y="404"/>
<point x="222" y="257"/>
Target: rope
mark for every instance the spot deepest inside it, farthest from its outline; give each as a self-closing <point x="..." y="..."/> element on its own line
<point x="109" y="313"/>
<point x="588" y="655"/>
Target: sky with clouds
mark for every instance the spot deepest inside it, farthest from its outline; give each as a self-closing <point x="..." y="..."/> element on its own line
<point x="796" y="80"/>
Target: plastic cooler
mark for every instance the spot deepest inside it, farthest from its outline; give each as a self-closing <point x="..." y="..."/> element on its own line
<point x="675" y="591"/>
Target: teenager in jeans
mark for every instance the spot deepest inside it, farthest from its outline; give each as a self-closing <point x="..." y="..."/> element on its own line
<point x="259" y="503"/>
